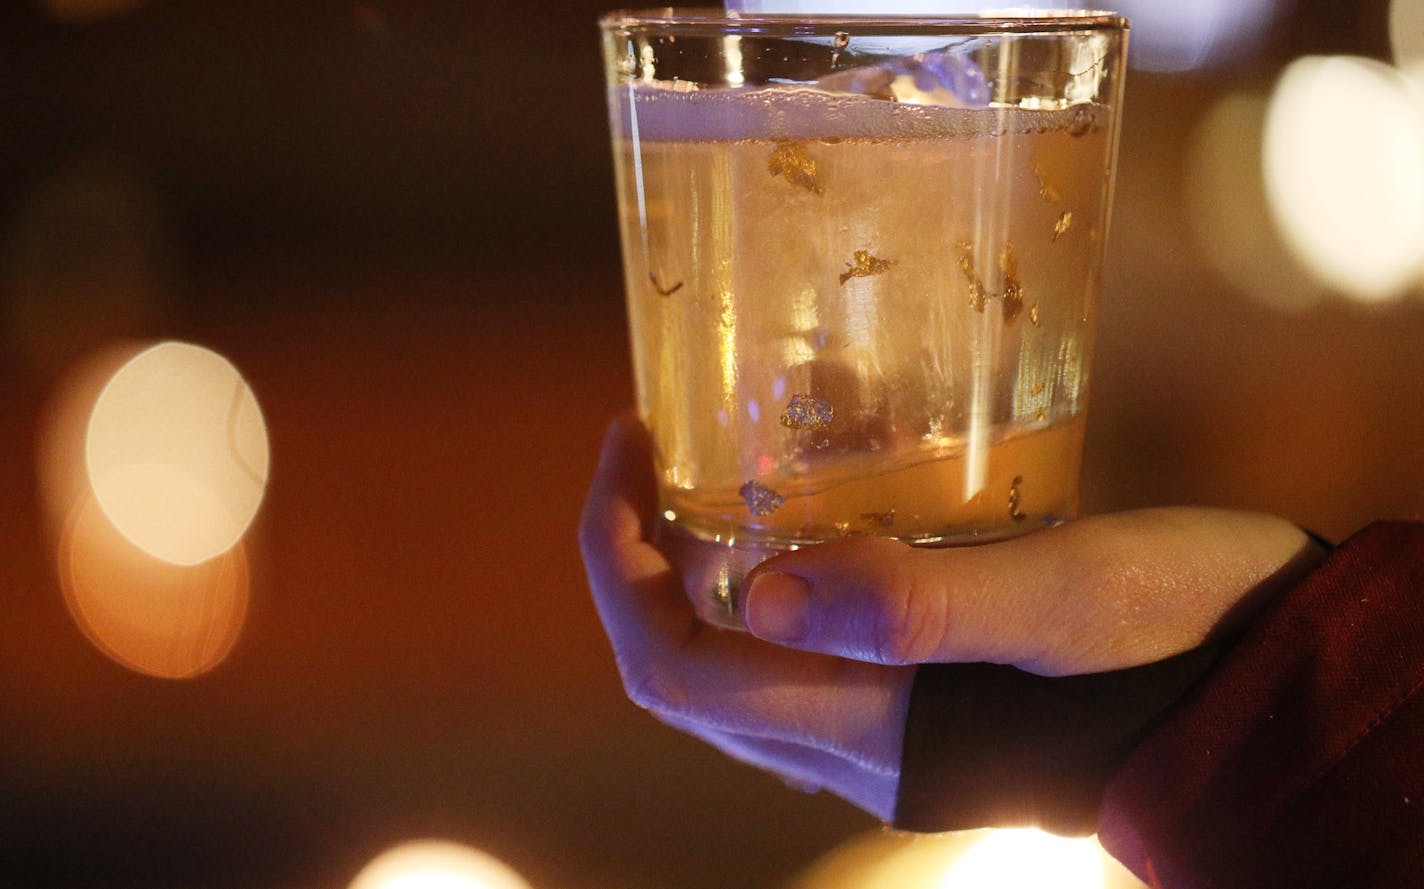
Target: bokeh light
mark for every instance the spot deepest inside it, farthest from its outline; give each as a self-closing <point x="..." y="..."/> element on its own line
<point x="1027" y="859"/>
<point x="63" y="481"/>
<point x="1180" y="35"/>
<point x="177" y="453"/>
<point x="1225" y="190"/>
<point x="437" y="864"/>
<point x="150" y="615"/>
<point x="1344" y="166"/>
<point x="977" y="859"/>
<point x="1406" y="31"/>
<point x="160" y="619"/>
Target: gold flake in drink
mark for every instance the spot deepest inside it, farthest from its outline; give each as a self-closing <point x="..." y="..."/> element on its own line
<point x="863" y="265"/>
<point x="791" y="161"/>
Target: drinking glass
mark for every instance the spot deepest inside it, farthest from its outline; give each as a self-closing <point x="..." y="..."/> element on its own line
<point x="862" y="257"/>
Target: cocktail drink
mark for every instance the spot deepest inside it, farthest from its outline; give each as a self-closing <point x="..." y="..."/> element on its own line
<point x="862" y="258"/>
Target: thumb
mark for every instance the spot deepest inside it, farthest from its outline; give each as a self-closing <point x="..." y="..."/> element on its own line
<point x="883" y="601"/>
<point x="1098" y="594"/>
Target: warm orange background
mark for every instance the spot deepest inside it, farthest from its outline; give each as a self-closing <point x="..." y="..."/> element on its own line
<point x="397" y="221"/>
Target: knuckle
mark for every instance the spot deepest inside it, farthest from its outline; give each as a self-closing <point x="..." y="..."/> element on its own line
<point x="651" y="688"/>
<point x="888" y="638"/>
<point x="909" y="620"/>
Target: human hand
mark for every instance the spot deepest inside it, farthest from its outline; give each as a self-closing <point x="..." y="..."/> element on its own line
<point x="1099" y="594"/>
<point x="826" y="705"/>
<point x="819" y="721"/>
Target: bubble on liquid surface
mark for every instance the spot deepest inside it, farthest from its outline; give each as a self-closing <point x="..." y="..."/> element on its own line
<point x="1083" y="121"/>
<point x="803" y="112"/>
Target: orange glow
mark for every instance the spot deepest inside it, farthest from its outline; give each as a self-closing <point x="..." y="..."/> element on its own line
<point x="177" y="455"/>
<point x="63" y="483"/>
<point x="433" y="864"/>
<point x="151" y="616"/>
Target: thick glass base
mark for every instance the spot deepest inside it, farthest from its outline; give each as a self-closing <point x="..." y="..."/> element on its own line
<point x="713" y="570"/>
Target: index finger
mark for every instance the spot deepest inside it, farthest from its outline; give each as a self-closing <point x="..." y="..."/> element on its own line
<point x="676" y="665"/>
<point x="632" y="581"/>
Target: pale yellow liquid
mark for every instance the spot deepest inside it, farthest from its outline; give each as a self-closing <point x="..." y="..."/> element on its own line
<point x="925" y="277"/>
<point x="1030" y="479"/>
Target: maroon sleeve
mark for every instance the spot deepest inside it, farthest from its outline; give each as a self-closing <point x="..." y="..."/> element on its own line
<point x="1299" y="761"/>
<point x="992" y="746"/>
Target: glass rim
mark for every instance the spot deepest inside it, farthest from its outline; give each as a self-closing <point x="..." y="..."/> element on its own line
<point x="992" y="21"/>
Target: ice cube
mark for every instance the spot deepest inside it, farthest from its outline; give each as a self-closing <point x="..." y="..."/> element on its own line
<point x="942" y="76"/>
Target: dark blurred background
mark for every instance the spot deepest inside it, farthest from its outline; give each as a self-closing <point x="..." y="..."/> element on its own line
<point x="396" y="219"/>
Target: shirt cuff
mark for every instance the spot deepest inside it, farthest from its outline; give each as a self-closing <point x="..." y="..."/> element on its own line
<point x="993" y="746"/>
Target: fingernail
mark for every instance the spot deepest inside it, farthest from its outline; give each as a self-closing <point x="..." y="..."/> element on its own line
<point x="776" y="608"/>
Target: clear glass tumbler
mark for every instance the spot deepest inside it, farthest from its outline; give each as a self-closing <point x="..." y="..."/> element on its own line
<point x="862" y="260"/>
